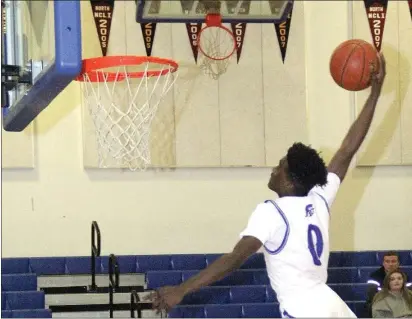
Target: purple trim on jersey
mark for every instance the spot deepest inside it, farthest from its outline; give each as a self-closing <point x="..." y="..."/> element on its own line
<point x="326" y="203"/>
<point x="285" y="239"/>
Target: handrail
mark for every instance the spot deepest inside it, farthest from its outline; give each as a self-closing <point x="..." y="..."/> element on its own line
<point x="114" y="269"/>
<point x="95" y="252"/>
<point x="113" y="283"/>
<point x="134" y="305"/>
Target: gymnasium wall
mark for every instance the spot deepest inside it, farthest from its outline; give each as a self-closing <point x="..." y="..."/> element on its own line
<point x="47" y="210"/>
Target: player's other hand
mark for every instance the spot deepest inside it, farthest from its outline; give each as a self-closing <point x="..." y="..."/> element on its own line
<point x="166" y="298"/>
<point x="378" y="75"/>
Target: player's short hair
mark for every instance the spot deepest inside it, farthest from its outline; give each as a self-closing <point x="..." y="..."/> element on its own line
<point x="306" y="168"/>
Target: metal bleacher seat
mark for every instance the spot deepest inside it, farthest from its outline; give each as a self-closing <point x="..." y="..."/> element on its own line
<point x="352" y="292"/>
<point x="342" y="275"/>
<point x="156" y="279"/>
<point x="15" y="266"/>
<point x="32" y="313"/>
<point x="253" y="310"/>
<point x="48" y="265"/>
<point x="208" y="295"/>
<point x="157" y="262"/>
<point x="18" y="282"/>
<point x="248" y="294"/>
<point x="188" y="262"/>
<point x="256" y="261"/>
<point x="80" y="265"/>
<point x="261" y="310"/>
<point x="127" y="264"/>
<point x="353" y="259"/>
<point x="239" y="277"/>
<point x="187" y="312"/>
<point x="358" y="307"/>
<point x="210" y="258"/>
<point x="223" y="311"/>
<point x="19" y="300"/>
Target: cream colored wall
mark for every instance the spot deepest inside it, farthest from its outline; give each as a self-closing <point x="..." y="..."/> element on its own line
<point x="48" y="211"/>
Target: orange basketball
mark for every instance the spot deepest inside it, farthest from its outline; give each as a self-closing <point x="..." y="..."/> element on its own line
<point x="350" y="64"/>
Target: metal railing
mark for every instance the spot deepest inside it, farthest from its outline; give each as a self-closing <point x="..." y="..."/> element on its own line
<point x="113" y="281"/>
<point x="96" y="248"/>
<point x="134" y="305"/>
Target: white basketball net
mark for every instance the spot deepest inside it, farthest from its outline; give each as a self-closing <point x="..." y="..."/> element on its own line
<point x="122" y="112"/>
<point x="218" y="44"/>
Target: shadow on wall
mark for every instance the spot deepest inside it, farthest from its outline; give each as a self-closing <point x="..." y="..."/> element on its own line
<point x="358" y="178"/>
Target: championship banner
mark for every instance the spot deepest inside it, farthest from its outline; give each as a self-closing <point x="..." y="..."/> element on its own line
<point x="149" y="29"/>
<point x="282" y="31"/>
<point x="238" y="29"/>
<point x="193" y="30"/>
<point x="410" y="7"/>
<point x="103" y="13"/>
<point x="148" y="32"/>
<point x="376" y="13"/>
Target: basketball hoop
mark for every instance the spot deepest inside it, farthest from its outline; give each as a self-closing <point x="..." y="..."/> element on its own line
<point x="123" y="94"/>
<point x="217" y="44"/>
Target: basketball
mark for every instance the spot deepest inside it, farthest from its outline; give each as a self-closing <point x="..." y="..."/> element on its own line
<point x="349" y="64"/>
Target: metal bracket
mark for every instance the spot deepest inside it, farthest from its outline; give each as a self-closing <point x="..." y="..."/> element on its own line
<point x="13" y="75"/>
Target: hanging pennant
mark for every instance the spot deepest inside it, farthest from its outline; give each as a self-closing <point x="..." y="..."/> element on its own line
<point x="410" y="7"/>
<point x="239" y="29"/>
<point x="148" y="32"/>
<point x="376" y="13"/>
<point x="193" y="30"/>
<point x="103" y="13"/>
<point x="149" y="29"/>
<point x="282" y="32"/>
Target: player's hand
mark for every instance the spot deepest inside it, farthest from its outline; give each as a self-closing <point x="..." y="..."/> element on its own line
<point x="378" y="75"/>
<point x="166" y="298"/>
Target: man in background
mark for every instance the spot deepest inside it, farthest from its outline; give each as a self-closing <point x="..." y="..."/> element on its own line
<point x="375" y="280"/>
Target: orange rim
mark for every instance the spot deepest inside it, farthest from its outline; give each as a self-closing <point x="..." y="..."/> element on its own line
<point x="94" y="64"/>
<point x="214" y="20"/>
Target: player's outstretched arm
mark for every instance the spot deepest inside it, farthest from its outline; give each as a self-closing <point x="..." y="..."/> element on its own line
<point x="357" y="132"/>
<point x="167" y="297"/>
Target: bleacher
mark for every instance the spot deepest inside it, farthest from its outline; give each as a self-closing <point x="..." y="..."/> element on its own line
<point x="28" y="289"/>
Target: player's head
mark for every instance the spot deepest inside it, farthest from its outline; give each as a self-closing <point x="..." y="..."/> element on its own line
<point x="390" y="261"/>
<point x="298" y="172"/>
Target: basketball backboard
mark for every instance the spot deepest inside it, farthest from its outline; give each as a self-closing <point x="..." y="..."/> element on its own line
<point x="195" y="11"/>
<point x="41" y="49"/>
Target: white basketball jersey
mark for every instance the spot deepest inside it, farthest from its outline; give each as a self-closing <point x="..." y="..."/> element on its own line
<point x="295" y="235"/>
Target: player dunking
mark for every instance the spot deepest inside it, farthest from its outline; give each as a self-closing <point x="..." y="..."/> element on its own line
<point x="293" y="229"/>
